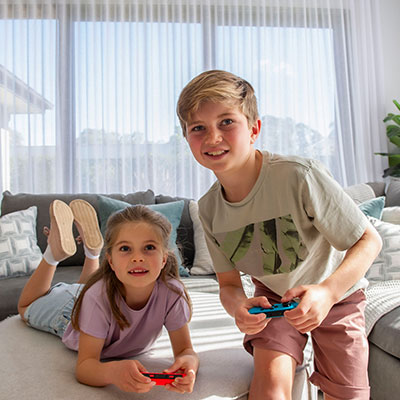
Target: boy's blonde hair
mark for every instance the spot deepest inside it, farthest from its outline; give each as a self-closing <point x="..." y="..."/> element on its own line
<point x="219" y="87"/>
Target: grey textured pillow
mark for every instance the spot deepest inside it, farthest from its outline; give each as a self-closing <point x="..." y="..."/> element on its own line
<point x="19" y="253"/>
<point x="393" y="193"/>
<point x="386" y="266"/>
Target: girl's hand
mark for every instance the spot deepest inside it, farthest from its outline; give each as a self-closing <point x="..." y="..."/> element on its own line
<point x="316" y="302"/>
<point x="127" y="375"/>
<point x="251" y="323"/>
<point x="188" y="365"/>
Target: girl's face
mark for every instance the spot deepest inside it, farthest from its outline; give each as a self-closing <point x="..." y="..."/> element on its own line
<point x="137" y="256"/>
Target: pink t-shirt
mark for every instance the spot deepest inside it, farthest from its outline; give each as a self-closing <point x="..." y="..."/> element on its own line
<point x="164" y="308"/>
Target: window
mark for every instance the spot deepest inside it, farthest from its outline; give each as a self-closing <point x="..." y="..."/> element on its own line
<point x="88" y="92"/>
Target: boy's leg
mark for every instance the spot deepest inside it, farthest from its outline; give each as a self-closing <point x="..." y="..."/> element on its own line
<point x="60" y="246"/>
<point x="273" y="375"/>
<point x="341" y="351"/>
<point x="277" y="349"/>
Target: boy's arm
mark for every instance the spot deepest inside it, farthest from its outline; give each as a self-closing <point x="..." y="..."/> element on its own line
<point x="357" y="261"/>
<point x="237" y="304"/>
<point x="317" y="300"/>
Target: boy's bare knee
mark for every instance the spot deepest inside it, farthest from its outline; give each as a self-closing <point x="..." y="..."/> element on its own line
<point x="263" y="389"/>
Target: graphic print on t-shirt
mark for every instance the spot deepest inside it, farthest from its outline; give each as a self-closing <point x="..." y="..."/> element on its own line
<point x="264" y="248"/>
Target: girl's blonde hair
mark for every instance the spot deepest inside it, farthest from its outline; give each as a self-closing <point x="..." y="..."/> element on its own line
<point x="114" y="288"/>
<point x="219" y="87"/>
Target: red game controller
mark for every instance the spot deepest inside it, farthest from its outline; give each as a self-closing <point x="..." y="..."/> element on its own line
<point x="162" y="379"/>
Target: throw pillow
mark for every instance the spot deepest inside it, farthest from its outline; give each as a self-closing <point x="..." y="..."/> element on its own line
<point x="393" y="192"/>
<point x="19" y="252"/>
<point x="172" y="211"/>
<point x="373" y="207"/>
<point x="391" y="214"/>
<point x="360" y="192"/>
<point x="387" y="264"/>
<point x="202" y="263"/>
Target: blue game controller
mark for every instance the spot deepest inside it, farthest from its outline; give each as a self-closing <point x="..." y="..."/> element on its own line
<point x="276" y="310"/>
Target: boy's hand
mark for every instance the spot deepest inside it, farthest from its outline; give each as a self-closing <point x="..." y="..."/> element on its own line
<point x="316" y="302"/>
<point x="251" y="323"/>
<point x="188" y="365"/>
<point x="127" y="375"/>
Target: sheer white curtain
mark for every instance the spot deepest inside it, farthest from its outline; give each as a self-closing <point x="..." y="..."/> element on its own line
<point x="88" y="89"/>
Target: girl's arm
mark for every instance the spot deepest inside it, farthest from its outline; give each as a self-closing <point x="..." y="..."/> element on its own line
<point x="186" y="360"/>
<point x="125" y="374"/>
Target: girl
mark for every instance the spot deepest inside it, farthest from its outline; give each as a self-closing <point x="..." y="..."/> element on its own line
<point x="118" y="310"/>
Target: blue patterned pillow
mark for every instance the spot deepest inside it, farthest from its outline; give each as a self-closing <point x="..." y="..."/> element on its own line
<point x="19" y="252"/>
<point x="386" y="266"/>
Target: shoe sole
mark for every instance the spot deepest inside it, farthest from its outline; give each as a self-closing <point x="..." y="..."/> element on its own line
<point x="62" y="215"/>
<point x="86" y="219"/>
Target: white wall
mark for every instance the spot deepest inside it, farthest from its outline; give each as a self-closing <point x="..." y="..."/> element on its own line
<point x="390" y="22"/>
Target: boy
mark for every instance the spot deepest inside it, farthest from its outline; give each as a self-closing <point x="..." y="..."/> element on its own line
<point x="287" y="223"/>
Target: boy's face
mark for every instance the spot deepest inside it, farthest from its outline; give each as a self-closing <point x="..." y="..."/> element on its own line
<point x="220" y="138"/>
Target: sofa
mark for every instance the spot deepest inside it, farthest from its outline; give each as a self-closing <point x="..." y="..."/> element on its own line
<point x="36" y="364"/>
<point x="381" y="202"/>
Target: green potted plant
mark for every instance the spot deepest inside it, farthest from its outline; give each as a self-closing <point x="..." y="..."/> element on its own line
<point x="393" y="133"/>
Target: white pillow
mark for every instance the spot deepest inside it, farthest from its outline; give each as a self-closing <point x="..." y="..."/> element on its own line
<point x="202" y="263"/>
<point x="386" y="266"/>
<point x="391" y="214"/>
<point x="19" y="252"/>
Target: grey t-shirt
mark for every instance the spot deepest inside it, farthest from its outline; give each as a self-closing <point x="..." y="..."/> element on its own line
<point x="293" y="228"/>
<point x="164" y="308"/>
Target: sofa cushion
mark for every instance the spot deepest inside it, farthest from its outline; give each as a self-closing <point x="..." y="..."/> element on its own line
<point x="373" y="207"/>
<point x="386" y="333"/>
<point x="10" y="289"/>
<point x="15" y="202"/>
<point x="185" y="229"/>
<point x="202" y="263"/>
<point x="391" y="214"/>
<point x="19" y="252"/>
<point x="393" y="193"/>
<point x="360" y="193"/>
<point x="387" y="264"/>
<point x="377" y="187"/>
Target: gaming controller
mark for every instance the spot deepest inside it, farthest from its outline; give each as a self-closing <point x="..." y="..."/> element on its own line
<point x="276" y="310"/>
<point x="162" y="379"/>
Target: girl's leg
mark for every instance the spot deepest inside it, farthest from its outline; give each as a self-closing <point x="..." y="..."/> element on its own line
<point x="273" y="375"/>
<point x="90" y="266"/>
<point x="89" y="233"/>
<point x="37" y="286"/>
<point x="60" y="245"/>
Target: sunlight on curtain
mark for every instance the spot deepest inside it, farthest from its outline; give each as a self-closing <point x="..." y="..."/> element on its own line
<point x="88" y="89"/>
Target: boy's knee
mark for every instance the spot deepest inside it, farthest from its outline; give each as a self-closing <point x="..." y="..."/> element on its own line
<point x="265" y="389"/>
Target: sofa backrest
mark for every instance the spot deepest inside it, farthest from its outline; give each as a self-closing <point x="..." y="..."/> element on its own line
<point x="21" y="201"/>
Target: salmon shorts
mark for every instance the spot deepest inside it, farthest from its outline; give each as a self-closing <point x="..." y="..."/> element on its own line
<point x="340" y="345"/>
